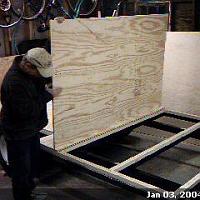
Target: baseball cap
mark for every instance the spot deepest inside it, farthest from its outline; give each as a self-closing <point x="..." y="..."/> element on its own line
<point x="40" y="58"/>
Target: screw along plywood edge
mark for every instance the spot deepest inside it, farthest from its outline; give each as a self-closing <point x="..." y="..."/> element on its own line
<point x="110" y="71"/>
<point x="5" y="64"/>
<point x="182" y="73"/>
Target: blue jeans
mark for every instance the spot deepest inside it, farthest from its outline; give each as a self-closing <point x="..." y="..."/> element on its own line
<point x="23" y="157"/>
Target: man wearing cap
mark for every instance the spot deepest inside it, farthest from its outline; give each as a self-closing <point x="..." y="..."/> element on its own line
<point x="24" y="98"/>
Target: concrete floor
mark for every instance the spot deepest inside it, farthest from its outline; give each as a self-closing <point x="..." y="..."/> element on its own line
<point x="65" y="183"/>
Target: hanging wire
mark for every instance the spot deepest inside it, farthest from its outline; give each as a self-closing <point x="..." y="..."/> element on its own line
<point x="95" y="3"/>
<point x="64" y="10"/>
<point x="14" y="39"/>
<point x="78" y="8"/>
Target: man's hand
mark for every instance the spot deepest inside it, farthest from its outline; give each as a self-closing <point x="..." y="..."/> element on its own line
<point x="55" y="91"/>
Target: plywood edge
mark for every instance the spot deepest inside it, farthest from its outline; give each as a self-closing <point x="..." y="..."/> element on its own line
<point x="47" y="141"/>
<point x="110" y="132"/>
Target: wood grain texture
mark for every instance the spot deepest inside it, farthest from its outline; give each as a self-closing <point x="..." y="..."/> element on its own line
<point x="110" y="71"/>
<point x="182" y="73"/>
<point x="5" y="64"/>
<point x="47" y="141"/>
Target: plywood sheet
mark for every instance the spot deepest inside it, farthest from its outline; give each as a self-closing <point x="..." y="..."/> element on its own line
<point x="5" y="64"/>
<point x="110" y="71"/>
<point x="47" y="141"/>
<point x="49" y="126"/>
<point x="182" y="73"/>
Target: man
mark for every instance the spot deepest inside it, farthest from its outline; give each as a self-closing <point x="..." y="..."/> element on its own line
<point x="24" y="98"/>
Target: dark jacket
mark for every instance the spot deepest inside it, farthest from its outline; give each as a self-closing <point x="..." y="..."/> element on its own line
<point x="24" y="100"/>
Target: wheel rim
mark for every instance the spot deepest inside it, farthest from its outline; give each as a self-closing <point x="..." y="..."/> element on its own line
<point x="36" y="15"/>
<point x="16" y="22"/>
<point x="5" y="5"/>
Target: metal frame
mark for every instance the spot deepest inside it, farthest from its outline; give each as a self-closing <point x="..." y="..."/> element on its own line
<point x="115" y="173"/>
<point x="183" y="145"/>
<point x="159" y="148"/>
